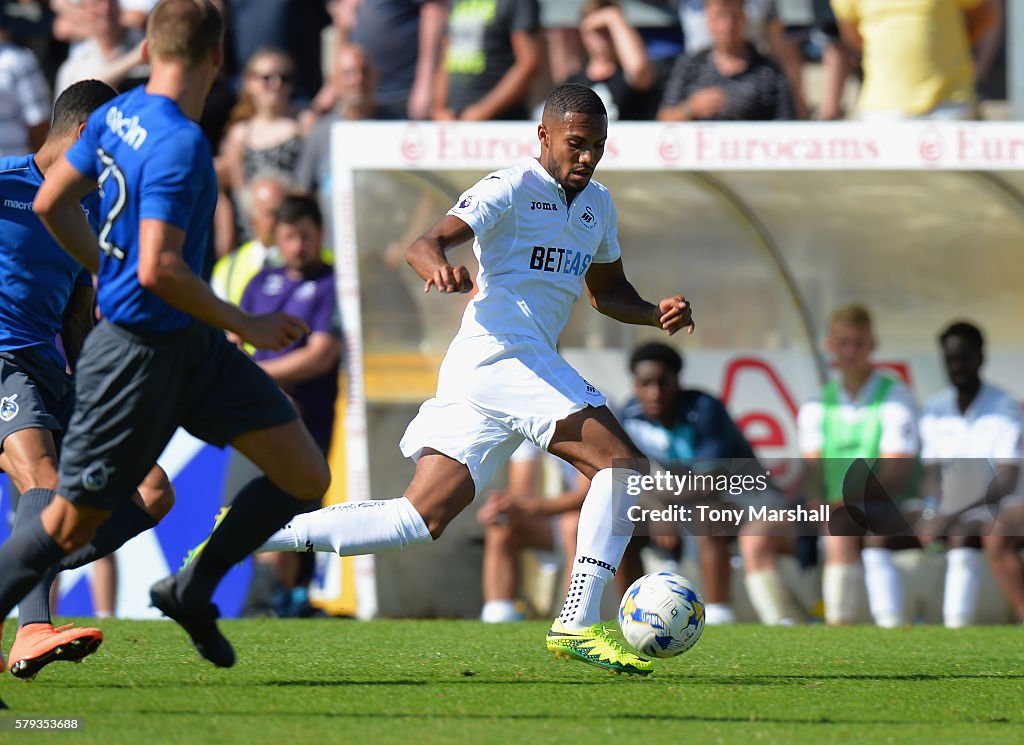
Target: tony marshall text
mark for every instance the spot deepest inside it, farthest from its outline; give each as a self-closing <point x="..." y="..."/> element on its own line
<point x="703" y="513"/>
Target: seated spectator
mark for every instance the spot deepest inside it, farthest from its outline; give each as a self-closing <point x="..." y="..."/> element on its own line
<point x="916" y="55"/>
<point x="492" y="56"/>
<point x="671" y="424"/>
<point x="111" y="52"/>
<point x="307" y="370"/>
<point x="24" y="98"/>
<point x="261" y="199"/>
<point x="617" y="67"/>
<point x="971" y="436"/>
<point x="863" y="419"/>
<point x="521" y="518"/>
<point x="263" y="134"/>
<point x="293" y="26"/>
<point x="731" y="81"/>
<point x="765" y="31"/>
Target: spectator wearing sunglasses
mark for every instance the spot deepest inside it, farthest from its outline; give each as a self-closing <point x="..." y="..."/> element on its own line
<point x="264" y="133"/>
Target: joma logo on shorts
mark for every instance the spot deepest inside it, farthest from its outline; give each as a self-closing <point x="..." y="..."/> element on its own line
<point x="549" y="206"/>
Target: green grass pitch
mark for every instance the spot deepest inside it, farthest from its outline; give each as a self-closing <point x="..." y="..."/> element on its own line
<point x="419" y="682"/>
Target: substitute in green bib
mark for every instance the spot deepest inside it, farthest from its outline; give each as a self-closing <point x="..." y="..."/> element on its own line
<point x="863" y="413"/>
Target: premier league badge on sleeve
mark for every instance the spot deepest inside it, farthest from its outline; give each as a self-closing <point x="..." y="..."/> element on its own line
<point x="466" y="204"/>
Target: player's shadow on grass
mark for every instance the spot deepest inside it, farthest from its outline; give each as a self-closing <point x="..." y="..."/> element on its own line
<point x="555" y="716"/>
<point x="475" y="679"/>
<point x="764" y="680"/>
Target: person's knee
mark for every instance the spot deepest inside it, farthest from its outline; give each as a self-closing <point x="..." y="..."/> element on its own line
<point x="996" y="545"/>
<point x="501" y="537"/>
<point x="309" y="483"/>
<point x="317" y="482"/>
<point x="438" y="513"/>
<point x="157" y="494"/>
<point x="436" y="522"/>
<point x="70" y="527"/>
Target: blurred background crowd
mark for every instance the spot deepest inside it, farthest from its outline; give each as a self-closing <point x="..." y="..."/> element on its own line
<point x="295" y="66"/>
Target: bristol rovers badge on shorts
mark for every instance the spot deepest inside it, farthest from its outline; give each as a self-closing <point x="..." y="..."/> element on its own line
<point x="96" y="476"/>
<point x="8" y="407"/>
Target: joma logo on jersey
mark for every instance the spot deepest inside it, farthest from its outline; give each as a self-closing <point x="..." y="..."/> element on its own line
<point x="549" y="206"/>
<point x="560" y="260"/>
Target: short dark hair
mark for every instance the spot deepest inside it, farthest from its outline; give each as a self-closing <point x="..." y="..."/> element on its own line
<point x="966" y="331"/>
<point x="74" y="105"/>
<point x="297" y="206"/>
<point x="573" y="98"/>
<point x="656" y="352"/>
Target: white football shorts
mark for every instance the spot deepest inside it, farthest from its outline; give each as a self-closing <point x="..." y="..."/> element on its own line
<point x="492" y="393"/>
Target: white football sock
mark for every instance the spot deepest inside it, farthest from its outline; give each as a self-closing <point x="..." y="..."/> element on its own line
<point x="601" y="539"/>
<point x="500" y="611"/>
<point x="840" y="588"/>
<point x="769" y="597"/>
<point x="885" y="586"/>
<point x="963" y="583"/>
<point x="352" y="528"/>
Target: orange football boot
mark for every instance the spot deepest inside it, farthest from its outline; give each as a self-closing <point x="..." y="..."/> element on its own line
<point x="39" y="644"/>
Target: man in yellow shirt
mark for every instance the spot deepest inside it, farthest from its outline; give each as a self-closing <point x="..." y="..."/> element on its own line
<point x="916" y="54"/>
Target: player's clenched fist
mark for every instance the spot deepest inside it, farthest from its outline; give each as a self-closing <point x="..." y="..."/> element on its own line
<point x="450" y="279"/>
<point x="676" y="313"/>
<point x="273" y="330"/>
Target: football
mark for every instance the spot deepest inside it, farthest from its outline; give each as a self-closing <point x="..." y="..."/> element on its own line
<point x="662" y="615"/>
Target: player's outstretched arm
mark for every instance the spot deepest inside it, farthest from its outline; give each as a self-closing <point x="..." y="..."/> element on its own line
<point x="427" y="256"/>
<point x="59" y="205"/>
<point x="612" y="295"/>
<point x="163" y="271"/>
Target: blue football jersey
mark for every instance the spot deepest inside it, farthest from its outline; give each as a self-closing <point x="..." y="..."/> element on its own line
<point x="36" y="275"/>
<point x="151" y="162"/>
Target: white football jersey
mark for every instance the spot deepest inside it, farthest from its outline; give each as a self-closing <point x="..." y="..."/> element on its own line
<point x="533" y="249"/>
<point x="992" y="427"/>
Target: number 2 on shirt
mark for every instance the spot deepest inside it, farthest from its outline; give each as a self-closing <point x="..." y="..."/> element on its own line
<point x="112" y="169"/>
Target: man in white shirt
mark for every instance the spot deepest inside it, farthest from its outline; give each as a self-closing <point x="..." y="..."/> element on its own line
<point x="24" y="99"/>
<point x="539" y="230"/>
<point x="863" y="414"/>
<point x="111" y="53"/>
<point x="971" y="445"/>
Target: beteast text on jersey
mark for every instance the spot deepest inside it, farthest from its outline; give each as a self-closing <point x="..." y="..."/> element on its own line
<point x="564" y="260"/>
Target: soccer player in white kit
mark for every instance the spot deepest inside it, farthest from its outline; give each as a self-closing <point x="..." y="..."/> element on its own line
<point x="973" y="431"/>
<point x="539" y="230"/>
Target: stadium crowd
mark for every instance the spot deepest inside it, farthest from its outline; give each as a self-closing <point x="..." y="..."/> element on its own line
<point x="294" y="67"/>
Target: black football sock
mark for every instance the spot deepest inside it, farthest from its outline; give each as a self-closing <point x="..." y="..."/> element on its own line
<point x="35" y="606"/>
<point x="124" y="523"/>
<point x="24" y="559"/>
<point x="258" y="511"/>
